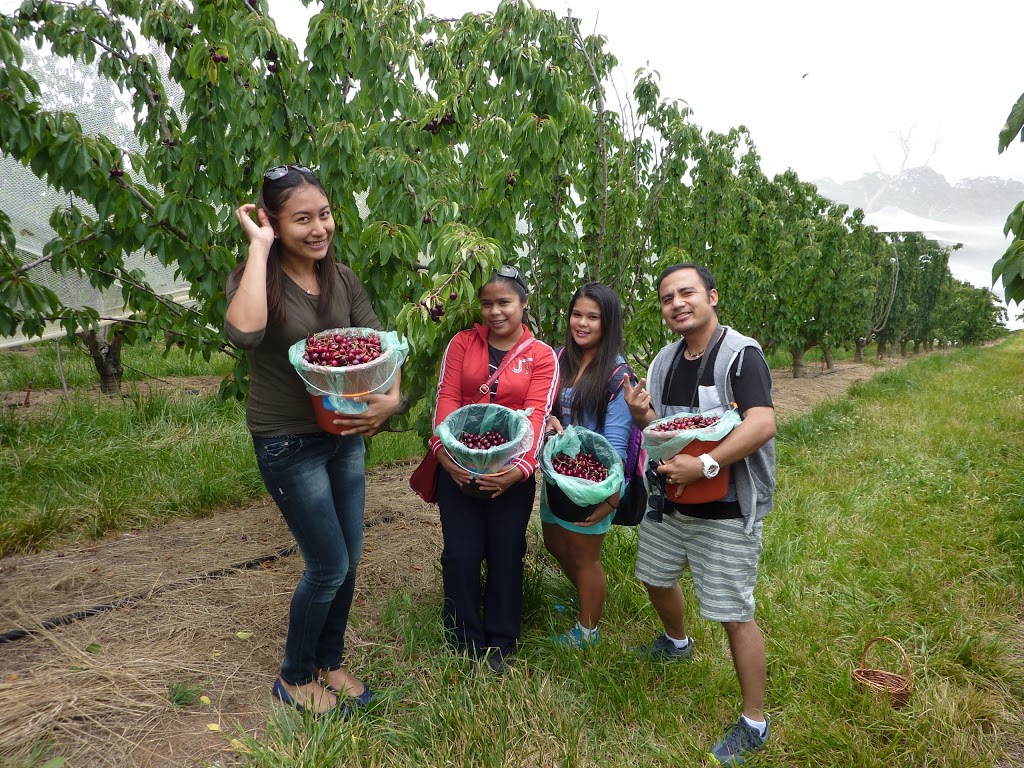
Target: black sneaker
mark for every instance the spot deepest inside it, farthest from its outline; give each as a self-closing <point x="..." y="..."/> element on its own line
<point x="663" y="649"/>
<point x="739" y="741"/>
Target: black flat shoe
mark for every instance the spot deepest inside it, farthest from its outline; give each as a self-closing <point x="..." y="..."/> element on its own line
<point x="493" y="661"/>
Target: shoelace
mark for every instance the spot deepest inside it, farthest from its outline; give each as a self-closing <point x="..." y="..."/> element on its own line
<point x="740" y="738"/>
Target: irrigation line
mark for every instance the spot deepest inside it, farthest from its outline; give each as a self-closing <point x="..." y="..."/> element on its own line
<point x="73" y="616"/>
<point x="69" y="618"/>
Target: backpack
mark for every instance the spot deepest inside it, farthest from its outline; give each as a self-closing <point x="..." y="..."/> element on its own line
<point x="633" y="502"/>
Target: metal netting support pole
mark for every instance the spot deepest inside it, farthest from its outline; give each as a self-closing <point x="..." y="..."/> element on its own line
<point x="60" y="369"/>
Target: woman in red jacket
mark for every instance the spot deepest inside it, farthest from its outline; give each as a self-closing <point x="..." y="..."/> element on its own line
<point x="491" y="529"/>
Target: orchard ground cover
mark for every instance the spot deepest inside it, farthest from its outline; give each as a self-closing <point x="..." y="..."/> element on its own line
<point x="895" y="516"/>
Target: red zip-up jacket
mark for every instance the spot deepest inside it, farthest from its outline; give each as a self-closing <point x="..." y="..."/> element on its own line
<point x="529" y="381"/>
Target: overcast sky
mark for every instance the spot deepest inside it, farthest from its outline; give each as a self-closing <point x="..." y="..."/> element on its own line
<point x="948" y="72"/>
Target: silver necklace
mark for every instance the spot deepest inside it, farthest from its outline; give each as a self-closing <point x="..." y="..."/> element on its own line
<point x="298" y="283"/>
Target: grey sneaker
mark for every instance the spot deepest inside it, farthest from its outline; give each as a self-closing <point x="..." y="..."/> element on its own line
<point x="739" y="741"/>
<point x="663" y="649"/>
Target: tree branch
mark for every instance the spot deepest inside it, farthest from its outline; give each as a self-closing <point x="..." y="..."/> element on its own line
<point x="602" y="139"/>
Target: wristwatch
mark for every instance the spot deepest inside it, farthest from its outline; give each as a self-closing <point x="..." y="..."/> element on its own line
<point x="710" y="465"/>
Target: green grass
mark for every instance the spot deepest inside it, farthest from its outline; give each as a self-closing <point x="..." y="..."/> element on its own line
<point x="39" y="756"/>
<point x="184" y="693"/>
<point x="898" y="513"/>
<point x="85" y="468"/>
<point x="37" y="363"/>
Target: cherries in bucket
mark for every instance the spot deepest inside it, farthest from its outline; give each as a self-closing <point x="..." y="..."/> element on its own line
<point x="698" y="421"/>
<point x="583" y="466"/>
<point x="483" y="441"/>
<point x="581" y="470"/>
<point x="340" y="366"/>
<point x="694" y="434"/>
<point x="335" y="349"/>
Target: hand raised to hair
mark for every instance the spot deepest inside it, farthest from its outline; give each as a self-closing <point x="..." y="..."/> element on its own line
<point x="257" y="234"/>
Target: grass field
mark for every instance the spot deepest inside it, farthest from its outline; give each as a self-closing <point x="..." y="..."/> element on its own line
<point x="85" y="468"/>
<point x="899" y="512"/>
<point x="37" y="364"/>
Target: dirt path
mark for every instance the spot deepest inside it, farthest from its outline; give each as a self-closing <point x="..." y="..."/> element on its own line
<point x="166" y="606"/>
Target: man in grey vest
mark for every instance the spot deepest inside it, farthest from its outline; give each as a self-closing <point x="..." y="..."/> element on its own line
<point x="708" y="369"/>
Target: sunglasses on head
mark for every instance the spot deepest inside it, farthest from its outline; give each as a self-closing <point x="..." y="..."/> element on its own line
<point x="280" y="171"/>
<point x="511" y="273"/>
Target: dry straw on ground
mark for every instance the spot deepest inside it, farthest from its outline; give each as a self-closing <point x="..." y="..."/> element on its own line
<point x="99" y="687"/>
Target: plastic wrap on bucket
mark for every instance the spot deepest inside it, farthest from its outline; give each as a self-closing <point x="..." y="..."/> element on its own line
<point x="663" y="445"/>
<point x="478" y="418"/>
<point x="333" y="389"/>
<point x="574" y="498"/>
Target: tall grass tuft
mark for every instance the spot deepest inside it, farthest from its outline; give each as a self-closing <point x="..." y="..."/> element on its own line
<point x="93" y="468"/>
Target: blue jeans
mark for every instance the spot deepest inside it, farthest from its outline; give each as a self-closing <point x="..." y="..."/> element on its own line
<point x="319" y="483"/>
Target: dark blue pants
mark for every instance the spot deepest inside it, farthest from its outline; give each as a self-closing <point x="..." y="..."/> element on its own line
<point x="477" y="531"/>
<point x="319" y="484"/>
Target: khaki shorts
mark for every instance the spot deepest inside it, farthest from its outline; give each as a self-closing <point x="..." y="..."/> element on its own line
<point x="722" y="559"/>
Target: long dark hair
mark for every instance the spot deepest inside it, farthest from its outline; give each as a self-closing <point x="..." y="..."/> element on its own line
<point x="274" y="193"/>
<point x="590" y="394"/>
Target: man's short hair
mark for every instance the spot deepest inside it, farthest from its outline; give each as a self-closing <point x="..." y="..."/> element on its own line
<point x="705" y="275"/>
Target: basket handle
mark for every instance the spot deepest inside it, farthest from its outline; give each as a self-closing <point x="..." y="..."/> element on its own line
<point x="864" y="656"/>
<point x="311" y="385"/>
<point x="486" y="474"/>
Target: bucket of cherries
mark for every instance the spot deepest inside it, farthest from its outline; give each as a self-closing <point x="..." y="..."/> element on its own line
<point x="485" y="439"/>
<point x="581" y="470"/>
<point x="341" y="364"/>
<point x="693" y="434"/>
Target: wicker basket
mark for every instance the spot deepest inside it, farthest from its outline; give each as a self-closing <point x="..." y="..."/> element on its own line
<point x="897" y="687"/>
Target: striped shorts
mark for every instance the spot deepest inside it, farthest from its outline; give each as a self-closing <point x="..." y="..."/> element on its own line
<point x="722" y="559"/>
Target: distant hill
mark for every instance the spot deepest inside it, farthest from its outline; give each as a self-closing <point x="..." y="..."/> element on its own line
<point x="925" y="192"/>
<point x="970" y="213"/>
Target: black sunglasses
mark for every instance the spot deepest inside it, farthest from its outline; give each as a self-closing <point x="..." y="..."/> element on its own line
<point x="512" y="273"/>
<point x="280" y="171"/>
<point x="655" y="493"/>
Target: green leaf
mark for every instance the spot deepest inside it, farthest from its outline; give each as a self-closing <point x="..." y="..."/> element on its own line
<point x="1014" y="123"/>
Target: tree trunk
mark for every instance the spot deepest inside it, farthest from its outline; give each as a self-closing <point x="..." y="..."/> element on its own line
<point x="798" y="361"/>
<point x="830" y="364"/>
<point x="917" y="346"/>
<point x="106" y="355"/>
<point x="880" y="351"/>
<point x="858" y="355"/>
<point x="903" y="347"/>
